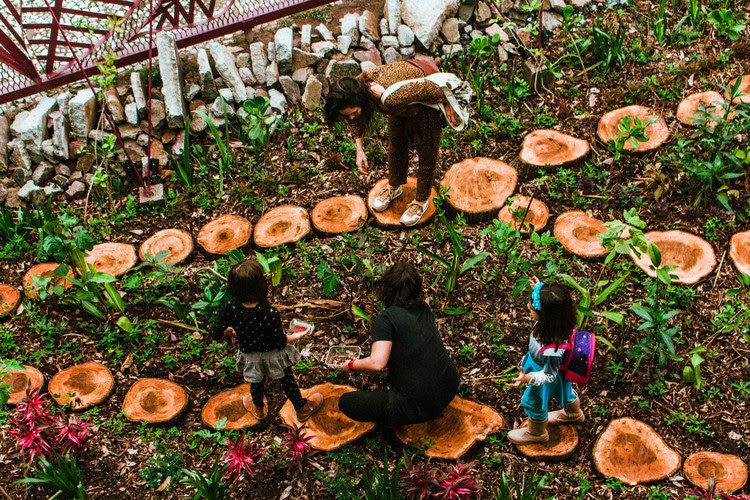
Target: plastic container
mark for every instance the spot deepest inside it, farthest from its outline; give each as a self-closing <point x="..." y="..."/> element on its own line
<point x="338" y="355"/>
<point x="297" y="326"/>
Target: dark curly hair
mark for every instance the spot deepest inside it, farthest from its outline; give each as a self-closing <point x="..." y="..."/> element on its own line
<point x="557" y="316"/>
<point x="400" y="285"/>
<point x="347" y="92"/>
<point x="247" y="283"/>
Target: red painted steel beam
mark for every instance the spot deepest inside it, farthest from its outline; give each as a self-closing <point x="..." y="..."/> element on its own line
<point x="199" y="32"/>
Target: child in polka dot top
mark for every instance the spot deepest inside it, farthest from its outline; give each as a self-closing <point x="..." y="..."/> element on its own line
<point x="265" y="349"/>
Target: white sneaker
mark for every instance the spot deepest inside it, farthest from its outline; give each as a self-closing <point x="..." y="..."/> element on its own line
<point x="386" y="196"/>
<point x="414" y="212"/>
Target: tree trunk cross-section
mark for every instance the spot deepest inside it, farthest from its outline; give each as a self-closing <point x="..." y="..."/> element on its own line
<point x="10" y="299"/>
<point x="550" y="147"/>
<point x="391" y="216"/>
<point x="21" y="382"/>
<point x="455" y="430"/>
<point x="536" y="215"/>
<point x="657" y="132"/>
<point x="693" y="256"/>
<point x="284" y="224"/>
<point x="577" y="230"/>
<point x="44" y="270"/>
<point x="82" y="386"/>
<point x="330" y="428"/>
<point x="154" y="400"/>
<point x="480" y="186"/>
<point x="224" y="233"/>
<point x="739" y="251"/>
<point x="563" y="441"/>
<point x="112" y="258"/>
<point x="634" y="453"/>
<point x="338" y="214"/>
<point x="177" y="242"/>
<point x="688" y="108"/>
<point x="228" y="405"/>
<point x="728" y="472"/>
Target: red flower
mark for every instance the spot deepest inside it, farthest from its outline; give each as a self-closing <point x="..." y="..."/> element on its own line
<point x="297" y="449"/>
<point x="240" y="457"/>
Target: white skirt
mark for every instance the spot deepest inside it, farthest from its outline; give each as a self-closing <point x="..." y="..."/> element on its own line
<point x="256" y="366"/>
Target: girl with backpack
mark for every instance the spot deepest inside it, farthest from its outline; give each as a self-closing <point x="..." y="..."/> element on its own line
<point x="552" y="308"/>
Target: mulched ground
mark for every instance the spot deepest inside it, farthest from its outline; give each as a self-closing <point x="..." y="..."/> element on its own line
<point x="316" y="164"/>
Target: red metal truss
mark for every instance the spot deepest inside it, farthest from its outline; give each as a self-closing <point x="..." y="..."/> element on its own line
<point x="35" y="56"/>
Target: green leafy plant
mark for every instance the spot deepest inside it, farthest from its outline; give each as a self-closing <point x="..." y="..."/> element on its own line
<point x="380" y="484"/>
<point x="726" y="24"/>
<point x="211" y="487"/>
<point x="6" y="368"/>
<point x="453" y="267"/>
<point x="660" y="338"/>
<point x="632" y="132"/>
<point x="692" y="372"/>
<point x="184" y="166"/>
<point x="257" y="126"/>
<point x="225" y="157"/>
<point x="60" y="474"/>
<point x="162" y="466"/>
<point x="529" y="489"/>
<point x="608" y="45"/>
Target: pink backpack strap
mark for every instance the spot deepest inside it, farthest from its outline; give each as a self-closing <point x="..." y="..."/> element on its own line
<point x="566" y="345"/>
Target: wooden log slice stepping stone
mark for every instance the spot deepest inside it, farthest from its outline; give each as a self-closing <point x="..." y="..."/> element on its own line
<point x="693" y="256"/>
<point x="563" y="441"/>
<point x="577" y="230"/>
<point x="10" y="299"/>
<point x="21" y="382"/>
<point x="634" y="453"/>
<point x="550" y="147"/>
<point x="177" y="242"/>
<point x="688" y="108"/>
<point x="536" y="215"/>
<point x="328" y="427"/>
<point x="228" y="405"/>
<point x="728" y="472"/>
<point x="112" y="258"/>
<point x="284" y="224"/>
<point x="657" y="132"/>
<point x="739" y="251"/>
<point x="455" y="430"/>
<point x="338" y="214"/>
<point x="744" y="89"/>
<point x="154" y="400"/>
<point x="480" y="186"/>
<point x="82" y="386"/>
<point x="391" y="216"/>
<point x="45" y="270"/>
<point x="225" y="233"/>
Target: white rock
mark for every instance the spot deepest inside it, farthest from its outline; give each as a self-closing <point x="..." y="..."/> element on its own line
<point x="243" y="60"/>
<point x="247" y="76"/>
<point x="290" y="88"/>
<point x="405" y="36"/>
<point x="368" y="25"/>
<point x="227" y="95"/>
<point x="482" y="12"/>
<point x="557" y="5"/>
<point x="450" y="30"/>
<point x="171" y="77"/>
<point x="344" y="42"/>
<point x="206" y="77"/>
<point x="392" y="13"/>
<point x="494" y="29"/>
<point x="325" y="33"/>
<point x="278" y="101"/>
<point x="284" y="40"/>
<point x="138" y="94"/>
<point x="303" y="59"/>
<point x="390" y="41"/>
<point x="226" y="67"/>
<point x="350" y="27"/>
<point x="425" y="17"/>
<point x="384" y="30"/>
<point x="272" y="74"/>
<point x="305" y="37"/>
<point x="323" y="47"/>
<point x="301" y="75"/>
<point x="192" y="90"/>
<point x="82" y="114"/>
<point x="312" y="97"/>
<point x="258" y="61"/>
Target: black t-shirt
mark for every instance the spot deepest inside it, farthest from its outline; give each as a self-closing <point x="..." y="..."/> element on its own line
<point x="419" y="366"/>
<point x="258" y="328"/>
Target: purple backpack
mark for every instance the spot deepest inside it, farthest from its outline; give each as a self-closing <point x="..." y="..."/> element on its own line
<point x="578" y="358"/>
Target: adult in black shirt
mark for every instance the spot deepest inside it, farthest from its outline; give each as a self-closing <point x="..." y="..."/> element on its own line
<point x="405" y="339"/>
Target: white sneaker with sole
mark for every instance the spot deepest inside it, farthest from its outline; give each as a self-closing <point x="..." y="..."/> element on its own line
<point x="386" y="196"/>
<point x="414" y="212"/>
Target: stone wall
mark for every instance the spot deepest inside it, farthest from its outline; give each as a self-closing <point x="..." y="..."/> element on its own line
<point x="44" y="139"/>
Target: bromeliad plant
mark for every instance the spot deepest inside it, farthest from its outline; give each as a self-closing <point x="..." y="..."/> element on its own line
<point x="420" y="482"/>
<point x="239" y="458"/>
<point x="296" y="449"/>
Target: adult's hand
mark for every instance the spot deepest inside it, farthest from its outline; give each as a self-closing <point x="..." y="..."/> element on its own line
<point x="362" y="163"/>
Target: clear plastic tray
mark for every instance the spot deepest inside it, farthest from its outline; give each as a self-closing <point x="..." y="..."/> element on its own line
<point x="297" y="326"/>
<point x="340" y="354"/>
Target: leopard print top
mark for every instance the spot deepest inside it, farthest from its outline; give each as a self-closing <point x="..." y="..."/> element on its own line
<point x="400" y="101"/>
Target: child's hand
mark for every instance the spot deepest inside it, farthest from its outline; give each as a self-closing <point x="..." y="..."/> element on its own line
<point x="230" y="333"/>
<point x="299" y="335"/>
<point x="522" y="378"/>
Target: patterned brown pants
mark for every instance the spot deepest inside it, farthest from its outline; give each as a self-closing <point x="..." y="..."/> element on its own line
<point x="423" y="130"/>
